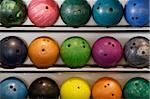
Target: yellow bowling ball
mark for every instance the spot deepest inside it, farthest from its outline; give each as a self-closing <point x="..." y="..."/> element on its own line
<point x="75" y="88"/>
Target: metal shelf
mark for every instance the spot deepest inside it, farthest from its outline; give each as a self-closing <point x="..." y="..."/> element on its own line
<point x="62" y="28"/>
<point x="84" y="69"/>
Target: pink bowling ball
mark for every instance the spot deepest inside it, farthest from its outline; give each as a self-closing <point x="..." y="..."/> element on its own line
<point x="43" y="13"/>
<point x="107" y="51"/>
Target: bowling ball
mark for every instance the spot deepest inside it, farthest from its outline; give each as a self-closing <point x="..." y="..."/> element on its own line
<point x="43" y="13"/>
<point x="107" y="12"/>
<point x="43" y="52"/>
<point x="75" y="13"/>
<point x="107" y="51"/>
<point x="13" y="51"/>
<point x="75" y="88"/>
<point x="106" y="88"/>
<point x="137" y="52"/>
<point x="12" y="12"/>
<point x="43" y="88"/>
<point x="137" y="12"/>
<point x="13" y="88"/>
<point x="137" y="88"/>
<point x="75" y="52"/>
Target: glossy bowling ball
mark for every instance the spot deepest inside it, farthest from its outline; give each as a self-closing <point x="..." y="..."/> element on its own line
<point x="43" y="13"/>
<point x="13" y="88"/>
<point x="137" y="52"/>
<point x="75" y="13"/>
<point x="106" y="88"/>
<point x="137" y="12"/>
<point x="13" y="51"/>
<point x="12" y="12"/>
<point x="107" y="12"/>
<point x="137" y="88"/>
<point x="75" y="88"/>
<point x="75" y="52"/>
<point x="107" y="51"/>
<point x="43" y="88"/>
<point x="43" y="52"/>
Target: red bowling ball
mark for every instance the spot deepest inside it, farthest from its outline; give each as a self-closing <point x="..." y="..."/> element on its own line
<point x="43" y="13"/>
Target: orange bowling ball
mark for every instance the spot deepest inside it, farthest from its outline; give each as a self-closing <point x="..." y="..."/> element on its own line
<point x="43" y="52"/>
<point x="106" y="88"/>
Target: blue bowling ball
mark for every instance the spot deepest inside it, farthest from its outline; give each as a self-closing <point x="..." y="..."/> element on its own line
<point x="13" y="88"/>
<point x="137" y="12"/>
<point x="13" y="52"/>
<point x="107" y="12"/>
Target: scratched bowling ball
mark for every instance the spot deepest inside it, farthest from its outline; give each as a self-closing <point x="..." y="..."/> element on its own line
<point x="43" y="13"/>
<point x="75" y="52"/>
<point x="137" y="12"/>
<point x="137" y="52"/>
<point x="106" y="88"/>
<point x="107" y="12"/>
<point x="12" y="12"/>
<point x="43" y="88"/>
<point x="43" y="52"/>
<point x="107" y="51"/>
<point x="75" y="13"/>
<point x="137" y="88"/>
<point x="13" y="52"/>
<point x="13" y="88"/>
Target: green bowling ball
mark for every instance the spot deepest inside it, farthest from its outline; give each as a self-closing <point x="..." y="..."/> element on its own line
<point x="75" y="52"/>
<point x="12" y="12"/>
<point x="137" y="88"/>
<point x="75" y="13"/>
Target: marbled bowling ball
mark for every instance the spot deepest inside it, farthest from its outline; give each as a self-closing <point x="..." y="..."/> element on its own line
<point x="137" y="88"/>
<point x="137" y="52"/>
<point x="12" y="12"/>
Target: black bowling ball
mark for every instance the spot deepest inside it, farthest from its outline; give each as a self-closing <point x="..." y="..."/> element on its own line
<point x="43" y="88"/>
<point x="13" y="52"/>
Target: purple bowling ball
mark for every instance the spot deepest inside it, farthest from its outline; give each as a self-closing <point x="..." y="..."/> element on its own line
<point x="107" y="51"/>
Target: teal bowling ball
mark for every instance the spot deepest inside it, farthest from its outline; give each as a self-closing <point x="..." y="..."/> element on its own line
<point x="107" y="12"/>
<point x="75" y="52"/>
<point x="137" y="88"/>
<point x="12" y="12"/>
<point x="75" y="13"/>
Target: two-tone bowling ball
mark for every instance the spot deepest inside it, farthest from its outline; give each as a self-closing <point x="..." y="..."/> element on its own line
<point x="137" y="52"/>
<point x="75" y="13"/>
<point x="107" y="51"/>
<point x="107" y="12"/>
<point x="13" y="51"/>
<point x="13" y="88"/>
<point x="137" y="12"/>
<point x="137" y="88"/>
<point x="43" y="88"/>
<point x="75" y="52"/>
<point x="43" y="52"/>
<point x="75" y="88"/>
<point x="12" y="12"/>
<point x="106" y="88"/>
<point x="43" y="13"/>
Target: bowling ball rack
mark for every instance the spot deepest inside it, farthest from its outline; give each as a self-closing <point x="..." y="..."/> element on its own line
<point x="91" y="32"/>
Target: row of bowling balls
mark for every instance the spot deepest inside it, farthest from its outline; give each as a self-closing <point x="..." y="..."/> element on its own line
<point x="74" y="88"/>
<point x="74" y="13"/>
<point x="75" y="52"/>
